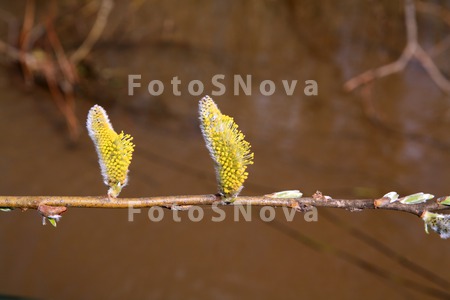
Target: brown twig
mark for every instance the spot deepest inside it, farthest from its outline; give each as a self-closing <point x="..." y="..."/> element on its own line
<point x="56" y="68"/>
<point x="66" y="83"/>
<point x="300" y="204"/>
<point x="24" y="45"/>
<point x="412" y="50"/>
<point x="95" y="33"/>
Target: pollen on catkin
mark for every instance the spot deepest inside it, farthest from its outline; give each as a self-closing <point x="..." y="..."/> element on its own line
<point x="114" y="150"/>
<point x="227" y="147"/>
<point x="438" y="222"/>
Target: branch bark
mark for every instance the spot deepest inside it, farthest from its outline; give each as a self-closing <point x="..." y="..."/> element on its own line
<point x="180" y="202"/>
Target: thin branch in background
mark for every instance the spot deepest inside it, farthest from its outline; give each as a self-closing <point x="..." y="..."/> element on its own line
<point x="440" y="47"/>
<point x="95" y="33"/>
<point x="386" y="250"/>
<point x="412" y="50"/>
<point x="24" y="45"/>
<point x="66" y="82"/>
<point x="358" y="262"/>
<point x="13" y="53"/>
<point x="58" y="71"/>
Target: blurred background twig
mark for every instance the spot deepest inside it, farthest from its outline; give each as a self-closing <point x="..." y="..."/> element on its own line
<point x="51" y="63"/>
<point x="412" y="50"/>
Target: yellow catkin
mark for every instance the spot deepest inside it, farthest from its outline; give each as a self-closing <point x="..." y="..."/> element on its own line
<point x="114" y="150"/>
<point x="227" y="147"/>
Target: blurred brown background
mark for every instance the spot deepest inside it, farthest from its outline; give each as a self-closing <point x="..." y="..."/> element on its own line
<point x="389" y="135"/>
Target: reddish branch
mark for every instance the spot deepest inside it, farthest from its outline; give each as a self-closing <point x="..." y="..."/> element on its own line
<point x="175" y="202"/>
<point x="412" y="50"/>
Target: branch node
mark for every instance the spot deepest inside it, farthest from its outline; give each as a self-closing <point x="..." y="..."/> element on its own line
<point x="49" y="211"/>
<point x="382" y="202"/>
<point x="300" y="206"/>
<point x="319" y="196"/>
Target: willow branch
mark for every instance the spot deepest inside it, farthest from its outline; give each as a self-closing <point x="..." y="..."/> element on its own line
<point x="177" y="202"/>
